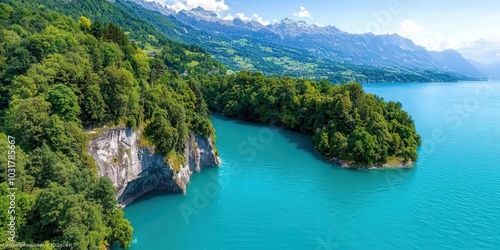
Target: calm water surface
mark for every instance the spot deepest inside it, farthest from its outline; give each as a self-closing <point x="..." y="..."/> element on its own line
<point x="274" y="192"/>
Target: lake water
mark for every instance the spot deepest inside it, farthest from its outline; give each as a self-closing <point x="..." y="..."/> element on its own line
<point x="274" y="192"/>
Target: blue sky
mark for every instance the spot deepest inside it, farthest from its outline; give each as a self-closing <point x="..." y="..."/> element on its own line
<point x="435" y="24"/>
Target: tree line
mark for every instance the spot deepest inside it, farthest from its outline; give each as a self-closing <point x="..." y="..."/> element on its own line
<point x="59" y="76"/>
<point x="346" y="123"/>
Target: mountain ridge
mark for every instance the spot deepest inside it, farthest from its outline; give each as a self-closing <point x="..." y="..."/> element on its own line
<point x="456" y="62"/>
<point x="485" y="50"/>
<point x="297" y="48"/>
<point x="301" y="30"/>
<point x="487" y="69"/>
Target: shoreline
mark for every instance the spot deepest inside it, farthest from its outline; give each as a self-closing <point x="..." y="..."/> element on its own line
<point x="388" y="165"/>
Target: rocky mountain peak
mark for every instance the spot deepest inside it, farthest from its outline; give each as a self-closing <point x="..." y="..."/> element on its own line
<point x="202" y="12"/>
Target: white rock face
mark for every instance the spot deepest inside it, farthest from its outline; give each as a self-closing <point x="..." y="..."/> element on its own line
<point x="136" y="170"/>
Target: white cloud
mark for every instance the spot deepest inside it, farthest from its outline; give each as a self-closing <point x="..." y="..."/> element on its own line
<point x="243" y="17"/>
<point x="432" y="40"/>
<point x="216" y="6"/>
<point x="229" y="17"/>
<point x="485" y="50"/>
<point x="412" y="27"/>
<point x="303" y="13"/>
<point x="260" y="20"/>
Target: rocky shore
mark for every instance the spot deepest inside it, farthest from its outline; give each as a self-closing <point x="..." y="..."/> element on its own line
<point x="136" y="169"/>
<point x="354" y="165"/>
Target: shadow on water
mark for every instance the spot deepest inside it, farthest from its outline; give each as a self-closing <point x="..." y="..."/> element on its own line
<point x="235" y="120"/>
<point x="365" y="178"/>
<point x="152" y="195"/>
<point x="301" y="141"/>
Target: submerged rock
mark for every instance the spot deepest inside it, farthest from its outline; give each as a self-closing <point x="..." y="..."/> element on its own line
<point x="136" y="170"/>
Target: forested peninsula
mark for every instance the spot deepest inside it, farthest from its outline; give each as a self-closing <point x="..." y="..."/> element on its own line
<point x="348" y="125"/>
<point x="60" y="76"/>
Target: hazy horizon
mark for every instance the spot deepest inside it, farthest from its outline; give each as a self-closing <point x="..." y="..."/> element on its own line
<point x="463" y="25"/>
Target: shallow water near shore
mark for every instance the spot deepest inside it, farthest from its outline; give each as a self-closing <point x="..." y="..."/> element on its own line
<point x="273" y="191"/>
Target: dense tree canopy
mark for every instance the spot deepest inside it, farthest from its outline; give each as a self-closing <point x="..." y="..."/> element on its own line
<point x="58" y="75"/>
<point x="346" y="123"/>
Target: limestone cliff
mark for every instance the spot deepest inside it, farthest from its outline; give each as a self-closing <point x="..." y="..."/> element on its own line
<point x="136" y="170"/>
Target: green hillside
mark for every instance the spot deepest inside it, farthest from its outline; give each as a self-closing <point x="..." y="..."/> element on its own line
<point x="60" y="74"/>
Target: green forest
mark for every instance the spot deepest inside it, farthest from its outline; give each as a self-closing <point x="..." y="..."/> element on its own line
<point x="62" y="74"/>
<point x="346" y="122"/>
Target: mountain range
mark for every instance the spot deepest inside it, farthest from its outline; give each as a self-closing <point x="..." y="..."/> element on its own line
<point x="288" y="47"/>
<point x="297" y="48"/>
<point x="484" y="54"/>
<point x="454" y="61"/>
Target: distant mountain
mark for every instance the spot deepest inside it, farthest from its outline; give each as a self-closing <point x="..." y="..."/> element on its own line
<point x="484" y="55"/>
<point x="296" y="48"/>
<point x="455" y="62"/>
<point x="485" y="50"/>
<point x="321" y="41"/>
<point x="330" y="42"/>
<point x="152" y="5"/>
<point x="490" y="70"/>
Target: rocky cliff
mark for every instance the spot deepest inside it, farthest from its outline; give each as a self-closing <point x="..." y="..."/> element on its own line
<point x="136" y="170"/>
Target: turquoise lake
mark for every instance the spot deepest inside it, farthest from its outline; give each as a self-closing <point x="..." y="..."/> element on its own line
<point x="273" y="191"/>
